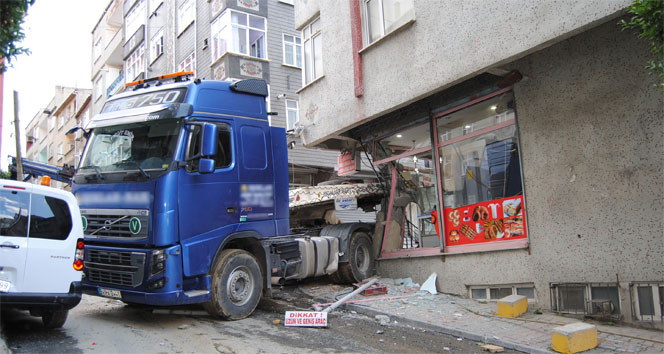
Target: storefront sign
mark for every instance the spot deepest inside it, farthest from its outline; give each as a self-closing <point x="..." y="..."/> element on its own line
<point x="305" y="319"/>
<point x="492" y="221"/>
<point x="347" y="165"/>
<point x="345" y="204"/>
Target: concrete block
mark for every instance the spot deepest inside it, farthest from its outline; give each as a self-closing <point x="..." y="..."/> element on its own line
<point x="512" y="306"/>
<point x="574" y="338"/>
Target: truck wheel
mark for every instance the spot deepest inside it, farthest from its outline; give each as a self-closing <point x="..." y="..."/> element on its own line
<point x="236" y="287"/>
<point x="360" y="264"/>
<point x="54" y="318"/>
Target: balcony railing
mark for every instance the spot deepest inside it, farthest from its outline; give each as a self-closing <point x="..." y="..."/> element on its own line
<point x="115" y="85"/>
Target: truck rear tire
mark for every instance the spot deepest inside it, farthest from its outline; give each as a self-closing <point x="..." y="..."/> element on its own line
<point x="237" y="285"/>
<point x="54" y="318"/>
<point x="360" y="264"/>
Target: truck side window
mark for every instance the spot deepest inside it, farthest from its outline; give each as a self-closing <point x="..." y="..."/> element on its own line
<point x="49" y="218"/>
<point x="224" y="155"/>
<point x="13" y="213"/>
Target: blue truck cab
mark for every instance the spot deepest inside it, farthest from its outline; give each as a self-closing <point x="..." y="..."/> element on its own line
<point x="179" y="186"/>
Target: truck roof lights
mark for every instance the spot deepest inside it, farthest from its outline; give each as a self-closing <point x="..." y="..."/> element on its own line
<point x="177" y="77"/>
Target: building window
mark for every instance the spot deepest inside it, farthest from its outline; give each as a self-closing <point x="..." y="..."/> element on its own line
<point x="381" y="17"/>
<point x="154" y="4"/>
<point x="156" y="46"/>
<point x="51" y="122"/>
<point x="97" y="49"/>
<point x="292" y="114"/>
<point x="35" y="133"/>
<point x="51" y="151"/>
<point x="590" y="299"/>
<point x="189" y="64"/>
<point x="292" y="50"/>
<point x="186" y="15"/>
<point x="313" y="51"/>
<point x="648" y="301"/>
<point x="134" y="19"/>
<point x="497" y="292"/>
<point x="239" y="33"/>
<point x="62" y="121"/>
<point x="135" y="64"/>
<point x="60" y="152"/>
<point x="43" y="155"/>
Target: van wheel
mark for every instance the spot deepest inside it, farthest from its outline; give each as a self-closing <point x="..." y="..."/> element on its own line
<point x="360" y="264"/>
<point x="236" y="287"/>
<point x="54" y="318"/>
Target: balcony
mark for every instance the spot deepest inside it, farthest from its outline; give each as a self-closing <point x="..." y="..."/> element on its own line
<point x="115" y="85"/>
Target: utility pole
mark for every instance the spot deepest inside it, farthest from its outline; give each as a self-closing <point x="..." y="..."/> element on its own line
<point x="17" y="133"/>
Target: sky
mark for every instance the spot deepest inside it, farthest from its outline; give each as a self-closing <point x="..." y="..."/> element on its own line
<point x="59" y="36"/>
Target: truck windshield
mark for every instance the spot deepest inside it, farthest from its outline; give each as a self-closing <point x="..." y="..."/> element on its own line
<point x="144" y="146"/>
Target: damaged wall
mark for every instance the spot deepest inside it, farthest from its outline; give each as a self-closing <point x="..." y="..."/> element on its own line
<point x="592" y="140"/>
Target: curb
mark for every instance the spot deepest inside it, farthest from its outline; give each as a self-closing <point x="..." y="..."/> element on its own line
<point x="436" y="328"/>
<point x="446" y="330"/>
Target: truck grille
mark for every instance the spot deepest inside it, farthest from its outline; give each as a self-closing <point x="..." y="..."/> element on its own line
<point x="127" y="223"/>
<point x="115" y="267"/>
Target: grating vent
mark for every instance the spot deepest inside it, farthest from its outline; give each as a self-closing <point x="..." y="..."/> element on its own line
<point x="116" y="223"/>
<point x="114" y="267"/>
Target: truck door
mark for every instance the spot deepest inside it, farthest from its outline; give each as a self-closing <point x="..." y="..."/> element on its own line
<point x="14" y="211"/>
<point x="208" y="203"/>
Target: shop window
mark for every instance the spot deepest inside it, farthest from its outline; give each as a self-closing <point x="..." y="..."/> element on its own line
<point x="648" y="301"/>
<point x="407" y="156"/>
<point x="482" y="191"/>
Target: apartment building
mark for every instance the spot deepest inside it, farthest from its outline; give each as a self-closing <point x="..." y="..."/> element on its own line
<point x="531" y="128"/>
<point x="217" y="39"/>
<point x="45" y="133"/>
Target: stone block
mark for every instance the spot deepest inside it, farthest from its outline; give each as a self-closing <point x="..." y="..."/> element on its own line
<point x="512" y="306"/>
<point x="574" y="338"/>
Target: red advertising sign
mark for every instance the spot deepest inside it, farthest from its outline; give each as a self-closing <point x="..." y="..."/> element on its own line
<point x="347" y="164"/>
<point x="491" y="221"/>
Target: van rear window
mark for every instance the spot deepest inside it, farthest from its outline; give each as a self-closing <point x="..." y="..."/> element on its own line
<point x="50" y="218"/>
<point x="14" y="213"/>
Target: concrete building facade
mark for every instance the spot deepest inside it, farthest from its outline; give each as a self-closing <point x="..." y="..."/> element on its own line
<point x="532" y="130"/>
<point x="46" y="141"/>
<point x="218" y="39"/>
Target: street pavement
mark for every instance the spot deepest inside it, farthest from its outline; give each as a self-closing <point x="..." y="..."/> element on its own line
<point x="474" y="320"/>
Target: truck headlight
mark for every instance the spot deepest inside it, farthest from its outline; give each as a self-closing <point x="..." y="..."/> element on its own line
<point x="157" y="262"/>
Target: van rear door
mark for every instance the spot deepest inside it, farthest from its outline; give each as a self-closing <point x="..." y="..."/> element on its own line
<point x="14" y="212"/>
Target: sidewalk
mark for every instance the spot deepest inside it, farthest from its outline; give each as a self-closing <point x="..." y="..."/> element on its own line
<point x="474" y="320"/>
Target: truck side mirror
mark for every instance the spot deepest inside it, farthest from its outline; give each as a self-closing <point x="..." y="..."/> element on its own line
<point x="205" y="166"/>
<point x="209" y="141"/>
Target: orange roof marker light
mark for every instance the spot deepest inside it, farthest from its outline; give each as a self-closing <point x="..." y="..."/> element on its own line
<point x="45" y="181"/>
<point x="179" y="76"/>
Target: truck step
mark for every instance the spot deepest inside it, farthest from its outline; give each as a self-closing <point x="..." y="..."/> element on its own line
<point x="194" y="293"/>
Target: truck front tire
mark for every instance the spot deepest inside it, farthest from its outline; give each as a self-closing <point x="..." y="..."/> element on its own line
<point x="360" y="264"/>
<point x="236" y="287"/>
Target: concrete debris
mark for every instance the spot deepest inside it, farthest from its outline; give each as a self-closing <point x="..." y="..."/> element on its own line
<point x="384" y="320"/>
<point x="493" y="348"/>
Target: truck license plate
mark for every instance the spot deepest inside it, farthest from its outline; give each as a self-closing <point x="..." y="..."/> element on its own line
<point x="4" y="286"/>
<point x="110" y="293"/>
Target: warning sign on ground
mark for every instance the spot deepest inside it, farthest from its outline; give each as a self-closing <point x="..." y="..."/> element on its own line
<point x="305" y="319"/>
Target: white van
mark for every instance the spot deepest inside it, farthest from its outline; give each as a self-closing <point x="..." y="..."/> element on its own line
<point x="41" y="250"/>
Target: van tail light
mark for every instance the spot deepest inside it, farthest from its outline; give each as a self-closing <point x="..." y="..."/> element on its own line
<point x="80" y="254"/>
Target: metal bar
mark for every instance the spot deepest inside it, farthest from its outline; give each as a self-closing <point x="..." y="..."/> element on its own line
<point x="349" y="296"/>
<point x="393" y="189"/>
<point x="405" y="154"/>
<point x="470" y="103"/>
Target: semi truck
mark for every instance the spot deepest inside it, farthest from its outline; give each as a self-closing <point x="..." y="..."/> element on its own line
<point x="184" y="196"/>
